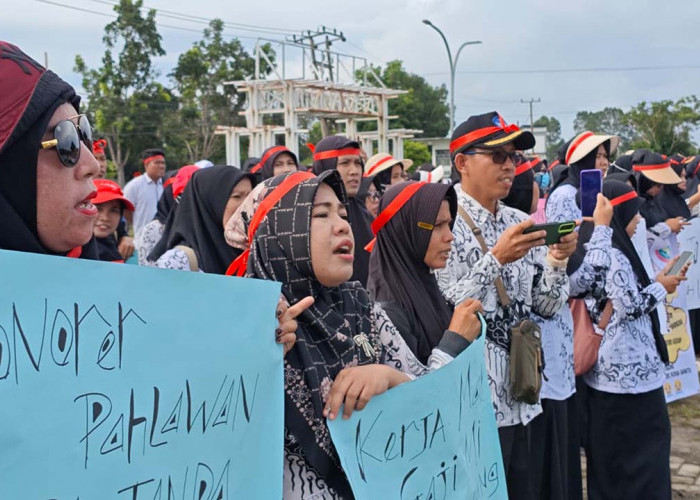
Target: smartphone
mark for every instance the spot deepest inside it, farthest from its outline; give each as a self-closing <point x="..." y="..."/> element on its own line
<point x="591" y="185"/>
<point x="555" y="230"/>
<point x="680" y="263"/>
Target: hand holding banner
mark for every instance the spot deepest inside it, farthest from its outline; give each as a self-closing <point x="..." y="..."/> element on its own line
<point x="434" y="437"/>
<point x="121" y="382"/>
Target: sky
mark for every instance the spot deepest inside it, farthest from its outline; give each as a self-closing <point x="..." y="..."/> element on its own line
<point x="531" y="48"/>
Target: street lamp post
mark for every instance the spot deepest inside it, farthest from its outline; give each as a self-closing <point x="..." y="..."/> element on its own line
<point x="453" y="65"/>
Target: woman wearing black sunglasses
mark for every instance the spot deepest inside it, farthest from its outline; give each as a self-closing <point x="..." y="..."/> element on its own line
<point x="46" y="165"/>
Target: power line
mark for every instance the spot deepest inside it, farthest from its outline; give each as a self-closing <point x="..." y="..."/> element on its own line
<point x="199" y="19"/>
<point x="162" y="25"/>
<point x="566" y="70"/>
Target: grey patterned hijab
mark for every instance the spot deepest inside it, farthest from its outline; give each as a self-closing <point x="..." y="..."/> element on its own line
<point x="334" y="333"/>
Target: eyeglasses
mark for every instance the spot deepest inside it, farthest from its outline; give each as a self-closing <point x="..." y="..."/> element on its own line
<point x="374" y="195"/>
<point x="67" y="137"/>
<point x="499" y="156"/>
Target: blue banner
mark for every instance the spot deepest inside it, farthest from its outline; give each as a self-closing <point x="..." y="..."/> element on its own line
<point x="123" y="382"/>
<point x="434" y="437"/>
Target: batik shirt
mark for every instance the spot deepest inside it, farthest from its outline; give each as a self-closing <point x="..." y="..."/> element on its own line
<point x="558" y="331"/>
<point x="531" y="284"/>
<point x="301" y="482"/>
<point x="628" y="362"/>
<point x="589" y="278"/>
<point x="147" y="240"/>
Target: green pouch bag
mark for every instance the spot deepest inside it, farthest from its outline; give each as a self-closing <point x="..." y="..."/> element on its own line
<point x="526" y="364"/>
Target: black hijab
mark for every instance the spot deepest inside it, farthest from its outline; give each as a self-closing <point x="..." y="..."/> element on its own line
<point x="29" y="96"/>
<point x="621" y="165"/>
<point x="108" y="250"/>
<point x="327" y="331"/>
<point x="622" y="215"/>
<point x="197" y="222"/>
<point x="671" y="196"/>
<point x="651" y="210"/>
<point x="521" y="192"/>
<point x="358" y="216"/>
<point x="268" y="168"/>
<point x="166" y="203"/>
<point x="398" y="273"/>
<point x="692" y="175"/>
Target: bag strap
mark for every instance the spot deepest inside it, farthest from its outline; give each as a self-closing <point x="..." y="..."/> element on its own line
<point x="191" y="257"/>
<point x="606" y="315"/>
<point x="500" y="287"/>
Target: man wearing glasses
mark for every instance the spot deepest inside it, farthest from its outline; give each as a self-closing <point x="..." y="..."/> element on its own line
<point x="483" y="151"/>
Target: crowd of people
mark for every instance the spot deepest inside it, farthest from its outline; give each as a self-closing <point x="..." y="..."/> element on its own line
<point x="385" y="273"/>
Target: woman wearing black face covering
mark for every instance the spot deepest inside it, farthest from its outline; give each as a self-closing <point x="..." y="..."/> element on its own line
<point x="629" y="429"/>
<point x="44" y="197"/>
<point x="340" y="153"/>
<point x="416" y="240"/>
<point x="194" y="238"/>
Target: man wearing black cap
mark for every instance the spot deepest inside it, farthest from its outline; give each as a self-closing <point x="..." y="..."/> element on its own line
<point x="339" y="153"/>
<point x="145" y="190"/>
<point x="533" y="278"/>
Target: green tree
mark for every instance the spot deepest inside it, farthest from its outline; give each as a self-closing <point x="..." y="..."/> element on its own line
<point x="424" y="107"/>
<point x="554" y="140"/>
<point x="204" y="100"/>
<point x="608" y="121"/>
<point x="125" y="101"/>
<point x="665" y="126"/>
<point x="417" y="152"/>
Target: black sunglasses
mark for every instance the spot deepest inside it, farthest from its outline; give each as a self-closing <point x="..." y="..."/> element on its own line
<point x="67" y="137"/>
<point x="498" y="156"/>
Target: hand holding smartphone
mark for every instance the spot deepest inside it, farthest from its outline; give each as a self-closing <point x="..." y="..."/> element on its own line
<point x="591" y="185"/>
<point x="678" y="266"/>
<point x="554" y="230"/>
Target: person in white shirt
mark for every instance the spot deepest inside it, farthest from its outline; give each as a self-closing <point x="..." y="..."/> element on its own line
<point x="534" y="277"/>
<point x="145" y="190"/>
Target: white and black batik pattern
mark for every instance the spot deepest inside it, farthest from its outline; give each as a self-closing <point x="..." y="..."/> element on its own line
<point x="561" y="204"/>
<point x="146" y="241"/>
<point x="587" y="280"/>
<point x="628" y="360"/>
<point x="532" y="286"/>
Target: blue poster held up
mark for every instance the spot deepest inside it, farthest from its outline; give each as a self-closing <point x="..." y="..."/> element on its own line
<point x="121" y="382"/>
<point x="434" y="437"/>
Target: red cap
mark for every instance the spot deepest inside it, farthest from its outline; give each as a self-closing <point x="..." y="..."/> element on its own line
<point x="109" y="190"/>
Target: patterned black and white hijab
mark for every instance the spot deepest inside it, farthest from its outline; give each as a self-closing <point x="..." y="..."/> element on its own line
<point x="332" y="334"/>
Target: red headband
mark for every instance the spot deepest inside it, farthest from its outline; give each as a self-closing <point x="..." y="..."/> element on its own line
<point x="98" y="147"/>
<point x="696" y="170"/>
<point x="154" y="157"/>
<point x="391" y="210"/>
<point x="240" y="264"/>
<point x="641" y="168"/>
<point x="576" y="144"/>
<point x="480" y="134"/>
<point x="267" y="156"/>
<point x="377" y="165"/>
<point x="524" y="167"/>
<point x="623" y="198"/>
<point x="335" y="153"/>
<point x="553" y="164"/>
